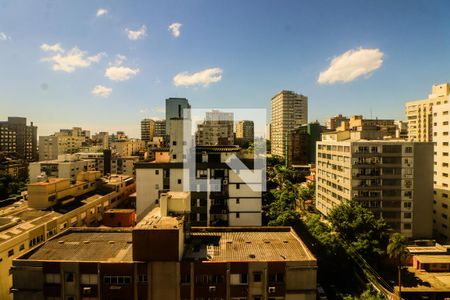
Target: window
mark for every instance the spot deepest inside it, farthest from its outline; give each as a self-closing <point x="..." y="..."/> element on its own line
<point x="10" y="252"/>
<point x="117" y="279"/>
<point x="142" y="278"/>
<point x="238" y="278"/>
<point x="174" y="143"/>
<point x="52" y="278"/>
<point x="68" y="277"/>
<point x="156" y="172"/>
<point x="174" y="156"/>
<point x="257" y="276"/>
<point x="276" y="277"/>
<point x="407" y="215"/>
<point x="407" y="226"/>
<point x="238" y="201"/>
<point x="408" y="150"/>
<point x="179" y="181"/>
<point x="89" y="279"/>
<point x="238" y="186"/>
<point x="238" y="215"/>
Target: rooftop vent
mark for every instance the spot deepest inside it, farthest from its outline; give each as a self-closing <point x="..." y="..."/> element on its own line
<point x="85" y="242"/>
<point x="61" y="242"/>
<point x="110" y="242"/>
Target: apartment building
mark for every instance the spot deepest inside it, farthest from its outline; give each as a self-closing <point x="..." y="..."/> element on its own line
<point x="174" y="109"/>
<point x="213" y="263"/>
<point x="289" y="111"/>
<point x="216" y="129"/>
<point x="16" y="136"/>
<point x="441" y="138"/>
<point x="245" y="130"/>
<point x="301" y="144"/>
<point x="148" y="127"/>
<point x="236" y="204"/>
<point x="420" y="113"/>
<point x="23" y="226"/>
<point x="392" y="178"/>
<point x="101" y="139"/>
<point x="334" y="122"/>
<point x="160" y="128"/>
<point x="66" y="141"/>
<point x="69" y="165"/>
<point x="128" y="147"/>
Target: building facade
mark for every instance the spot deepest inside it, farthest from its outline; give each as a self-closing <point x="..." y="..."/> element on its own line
<point x="392" y="178"/>
<point x="66" y="141"/>
<point x="334" y="122"/>
<point x="174" y="109"/>
<point x="148" y="127"/>
<point x="16" y="136"/>
<point x="301" y="144"/>
<point x="289" y="110"/>
<point x="160" y="128"/>
<point x="216" y="129"/>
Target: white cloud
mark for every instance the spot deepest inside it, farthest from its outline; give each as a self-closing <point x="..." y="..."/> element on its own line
<point x="52" y="48"/>
<point x="351" y="65"/>
<point x="119" y="73"/>
<point x="119" y="60"/>
<point x="69" y="61"/>
<point x="204" y="77"/>
<point x="137" y="34"/>
<point x="4" y="37"/>
<point x="101" y="12"/>
<point x="103" y="91"/>
<point x="174" y="28"/>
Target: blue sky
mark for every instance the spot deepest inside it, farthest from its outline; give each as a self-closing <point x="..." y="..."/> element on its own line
<point x="227" y="54"/>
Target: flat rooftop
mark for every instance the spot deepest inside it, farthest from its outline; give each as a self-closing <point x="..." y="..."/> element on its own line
<point x="85" y="244"/>
<point x="154" y="220"/>
<point x="433" y="259"/>
<point x="247" y="244"/>
<point x="427" y="281"/>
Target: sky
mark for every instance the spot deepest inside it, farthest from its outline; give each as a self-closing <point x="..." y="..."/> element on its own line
<point x="105" y="65"/>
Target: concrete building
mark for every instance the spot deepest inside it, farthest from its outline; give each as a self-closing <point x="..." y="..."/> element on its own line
<point x="129" y="147"/>
<point x="235" y="205"/>
<point x="392" y="178"/>
<point x="23" y="228"/>
<point x="16" y="136"/>
<point x="334" y="122"/>
<point x="289" y="111"/>
<point x="101" y="139"/>
<point x="245" y="130"/>
<point x="420" y="113"/>
<point x="66" y="141"/>
<point x="216" y="129"/>
<point x="160" y="128"/>
<point x="213" y="263"/>
<point x="401" y="131"/>
<point x="174" y="109"/>
<point x="10" y="164"/>
<point x="69" y="165"/>
<point x="148" y="127"/>
<point x="441" y="138"/>
<point x="301" y="144"/>
<point x="372" y="129"/>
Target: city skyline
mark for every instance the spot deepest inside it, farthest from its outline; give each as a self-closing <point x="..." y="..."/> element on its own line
<point x="87" y="62"/>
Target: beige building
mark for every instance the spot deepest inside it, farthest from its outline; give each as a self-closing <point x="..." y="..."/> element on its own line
<point x="428" y="120"/>
<point x="392" y="178"/>
<point x="23" y="227"/>
<point x="66" y="141"/>
<point x="334" y="122"/>
<point x="128" y="147"/>
<point x="420" y="113"/>
<point x="289" y="111"/>
<point x="216" y="129"/>
<point x="441" y="138"/>
<point x="148" y="127"/>
<point x="245" y="130"/>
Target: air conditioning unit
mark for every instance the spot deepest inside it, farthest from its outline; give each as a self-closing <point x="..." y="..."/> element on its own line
<point x="272" y="289"/>
<point x="212" y="288"/>
<point x="225" y="181"/>
<point x="87" y="290"/>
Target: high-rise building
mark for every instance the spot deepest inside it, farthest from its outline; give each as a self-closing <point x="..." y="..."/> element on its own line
<point x="245" y="130"/>
<point x="301" y="149"/>
<point x="148" y="128"/>
<point x="289" y="111"/>
<point x="392" y="178"/>
<point x="420" y="113"/>
<point x="25" y="138"/>
<point x="174" y="109"/>
<point x="441" y="139"/>
<point x="160" y="128"/>
<point x="334" y="122"/>
<point x="216" y="129"/>
<point x="428" y="120"/>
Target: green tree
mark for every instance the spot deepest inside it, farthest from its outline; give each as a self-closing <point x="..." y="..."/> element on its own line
<point x="397" y="251"/>
<point x="360" y="229"/>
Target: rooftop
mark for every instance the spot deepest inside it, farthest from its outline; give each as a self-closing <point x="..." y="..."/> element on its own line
<point x="86" y="244"/>
<point x="247" y="244"/>
<point x="153" y="220"/>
